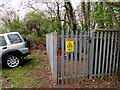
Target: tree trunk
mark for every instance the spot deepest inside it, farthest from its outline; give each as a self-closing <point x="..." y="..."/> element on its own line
<point x="86" y="15"/>
<point x="58" y="16"/>
<point x="71" y="16"/>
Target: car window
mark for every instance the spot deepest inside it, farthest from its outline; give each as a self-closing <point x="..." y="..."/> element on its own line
<point x="2" y="41"/>
<point x="14" y="38"/>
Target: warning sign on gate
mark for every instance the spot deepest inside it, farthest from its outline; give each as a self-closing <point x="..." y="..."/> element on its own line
<point x="69" y="45"/>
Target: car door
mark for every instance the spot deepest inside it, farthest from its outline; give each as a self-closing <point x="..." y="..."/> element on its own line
<point x="16" y="41"/>
<point x="0" y="54"/>
<point x="3" y="46"/>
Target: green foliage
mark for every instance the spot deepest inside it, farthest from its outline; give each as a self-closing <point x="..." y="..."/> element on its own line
<point x="2" y="30"/>
<point x="33" y="23"/>
<point x="35" y="38"/>
<point x="38" y="23"/>
<point x="102" y="16"/>
<point x="13" y="25"/>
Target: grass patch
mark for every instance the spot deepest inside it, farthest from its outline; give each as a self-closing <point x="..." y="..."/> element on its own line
<point x="0" y="73"/>
<point x="16" y="85"/>
<point x="19" y="75"/>
<point x="7" y="71"/>
<point x="34" y="58"/>
<point x="41" y="67"/>
<point x="16" y="82"/>
<point x="19" y="79"/>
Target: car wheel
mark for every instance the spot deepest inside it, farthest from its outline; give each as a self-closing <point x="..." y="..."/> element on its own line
<point x="12" y="61"/>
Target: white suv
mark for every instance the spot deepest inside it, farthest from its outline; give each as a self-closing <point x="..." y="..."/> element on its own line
<point x="12" y="49"/>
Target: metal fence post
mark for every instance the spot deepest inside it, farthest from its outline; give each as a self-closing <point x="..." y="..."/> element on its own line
<point x="55" y="38"/>
<point x="90" y="53"/>
<point x="62" y="61"/>
<point x="118" y="55"/>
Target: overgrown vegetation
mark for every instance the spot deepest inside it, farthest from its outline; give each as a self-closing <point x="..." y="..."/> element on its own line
<point x="87" y="16"/>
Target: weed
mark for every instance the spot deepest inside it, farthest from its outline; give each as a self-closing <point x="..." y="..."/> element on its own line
<point x="0" y="73"/>
<point x="39" y="82"/>
<point x="34" y="77"/>
<point x="16" y="85"/>
<point x="41" y="60"/>
<point x="7" y="79"/>
<point x="41" y="67"/>
<point x="5" y="72"/>
<point x="19" y="79"/>
<point x="18" y="71"/>
<point x="17" y="82"/>
<point x="98" y="77"/>
<point x="27" y="75"/>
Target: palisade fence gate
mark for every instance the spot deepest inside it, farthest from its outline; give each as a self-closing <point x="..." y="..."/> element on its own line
<point x="83" y="55"/>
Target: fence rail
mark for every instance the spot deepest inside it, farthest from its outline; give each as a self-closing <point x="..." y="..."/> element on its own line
<point x="95" y="54"/>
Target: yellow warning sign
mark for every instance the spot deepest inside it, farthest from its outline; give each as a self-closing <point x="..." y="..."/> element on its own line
<point x="69" y="45"/>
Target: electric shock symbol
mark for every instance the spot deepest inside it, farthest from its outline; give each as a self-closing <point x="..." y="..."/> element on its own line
<point x="69" y="45"/>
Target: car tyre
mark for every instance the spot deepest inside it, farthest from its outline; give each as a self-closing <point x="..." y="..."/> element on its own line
<point x="12" y="61"/>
